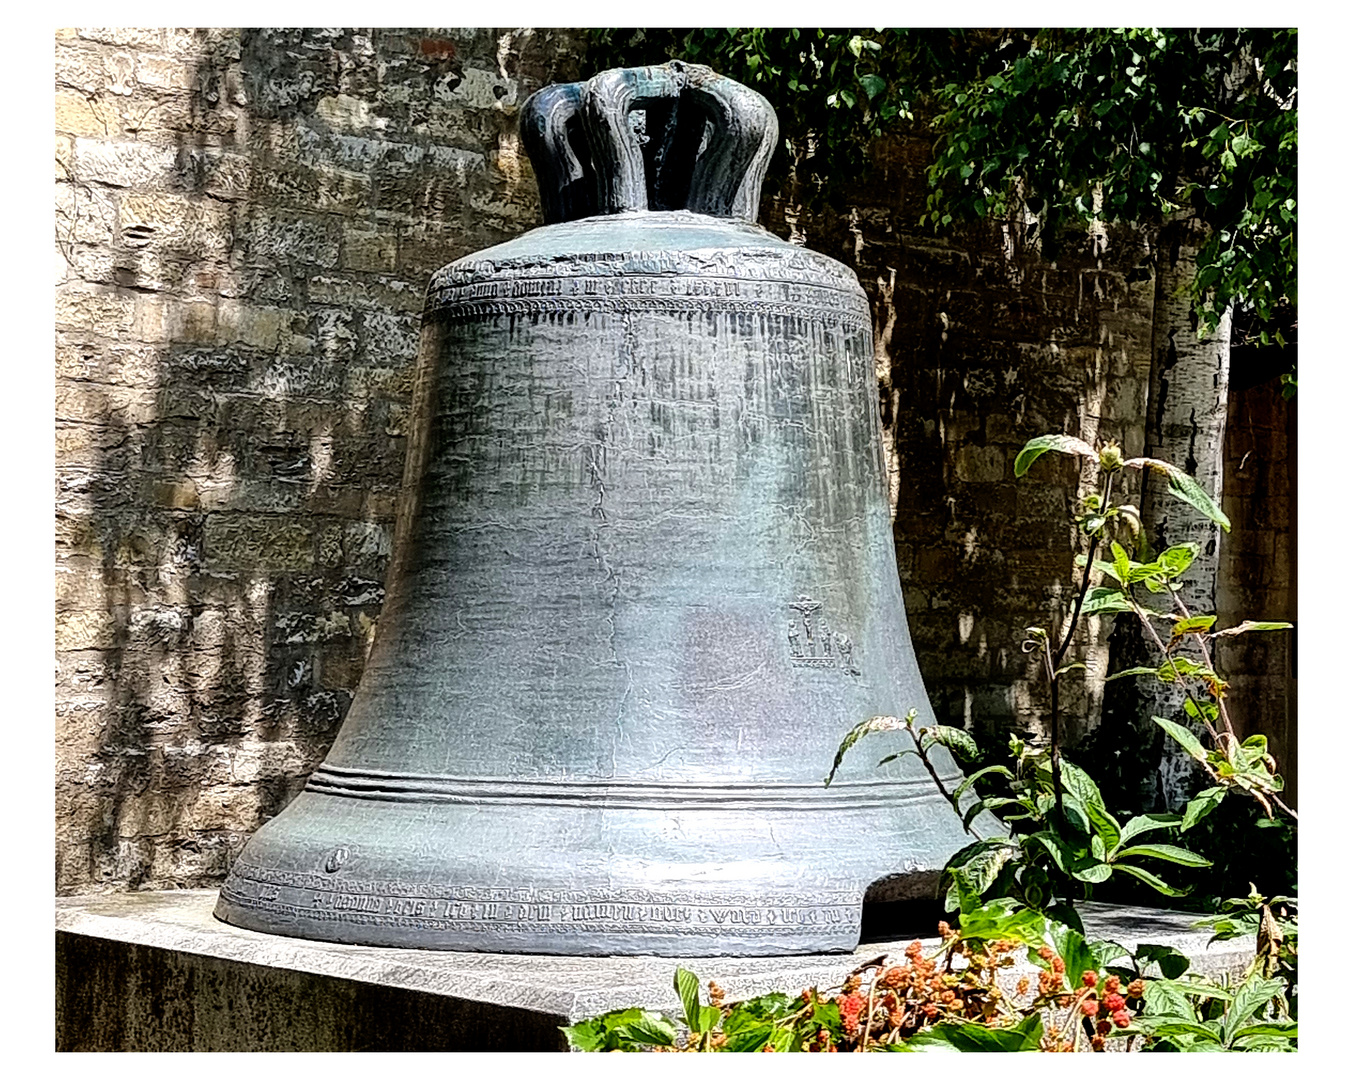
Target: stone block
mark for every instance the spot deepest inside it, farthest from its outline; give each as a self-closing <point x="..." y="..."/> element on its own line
<point x="124" y="163"/>
<point x="85" y="307"/>
<point x="258" y="542"/>
<point x="82" y="114"/>
<point x="163" y="73"/>
<point x="193" y="228"/>
<point x="95" y="629"/>
<point x="246" y="324"/>
<point x="141" y="38"/>
<point x="369" y="250"/>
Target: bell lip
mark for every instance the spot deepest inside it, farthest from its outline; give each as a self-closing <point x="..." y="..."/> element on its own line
<point x="500" y="878"/>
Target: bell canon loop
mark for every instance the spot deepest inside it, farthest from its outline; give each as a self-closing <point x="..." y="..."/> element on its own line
<point x="643" y="582"/>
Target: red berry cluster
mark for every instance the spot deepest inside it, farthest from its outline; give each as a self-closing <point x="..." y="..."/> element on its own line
<point x="1109" y="1001"/>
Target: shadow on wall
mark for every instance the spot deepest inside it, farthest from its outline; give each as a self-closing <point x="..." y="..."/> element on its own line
<point x="246" y="223"/>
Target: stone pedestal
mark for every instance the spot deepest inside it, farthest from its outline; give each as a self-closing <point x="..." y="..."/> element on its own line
<point x="156" y="971"/>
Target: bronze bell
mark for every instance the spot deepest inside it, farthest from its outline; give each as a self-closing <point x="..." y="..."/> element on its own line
<point x="643" y="583"/>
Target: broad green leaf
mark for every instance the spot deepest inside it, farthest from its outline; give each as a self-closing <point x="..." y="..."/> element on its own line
<point x="1149" y="878"/>
<point x="1144" y="823"/>
<point x="1094" y="873"/>
<point x="1178" y="558"/>
<point x="650" y="1029"/>
<point x="710" y="1015"/>
<point x="873" y="85"/>
<point x="1247" y="626"/>
<point x="895" y="757"/>
<point x="955" y="739"/>
<point x="863" y="728"/>
<point x="1104" y="951"/>
<point x="1001" y="921"/>
<point x="1165" y="997"/>
<point x="1166" y="1026"/>
<point x="687" y="986"/>
<point x="1201" y="805"/>
<point x="1122" y="565"/>
<point x="1286" y="1029"/>
<point x="1037" y="447"/>
<point x="1264" y="1043"/>
<point x="1077" y="781"/>
<point x="586" y="1035"/>
<point x="1074" y="951"/>
<point x="987" y="804"/>
<point x="1132" y="671"/>
<point x="1067" y="915"/>
<point x="1184" y="488"/>
<point x="1056" y="847"/>
<point x="621" y="1029"/>
<point x="990" y="770"/>
<point x="968" y="1037"/>
<point x="983" y="861"/>
<point x="1173" y="963"/>
<point x="1252" y="995"/>
<point x="772" y="1006"/>
<point x="1184" y="737"/>
<point x="1195" y="624"/>
<point x="1104" y="600"/>
<point x="1107" y="829"/>
<point x="748" y="1038"/>
<point x="782" y="1038"/>
<point x="1165" y="852"/>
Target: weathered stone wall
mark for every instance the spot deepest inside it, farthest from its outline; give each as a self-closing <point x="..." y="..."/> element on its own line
<point x="983" y="342"/>
<point x="1258" y="577"/>
<point x="246" y="222"/>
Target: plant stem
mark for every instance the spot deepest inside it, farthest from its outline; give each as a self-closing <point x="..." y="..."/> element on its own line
<point x="1207" y="656"/>
<point x="1053" y="661"/>
<point x="920" y="752"/>
<point x="868" y="1016"/>
<point x="1164" y="649"/>
<point x="1085" y="581"/>
<point x="1056" y="758"/>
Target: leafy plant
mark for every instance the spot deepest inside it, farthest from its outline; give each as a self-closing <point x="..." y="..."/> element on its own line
<point x="1116" y="585"/>
<point x="1060" y="841"/>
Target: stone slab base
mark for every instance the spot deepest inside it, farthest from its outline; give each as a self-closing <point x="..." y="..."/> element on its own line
<point x="156" y="971"/>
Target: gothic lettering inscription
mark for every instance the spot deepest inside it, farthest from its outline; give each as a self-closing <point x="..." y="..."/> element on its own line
<point x="523" y="910"/>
